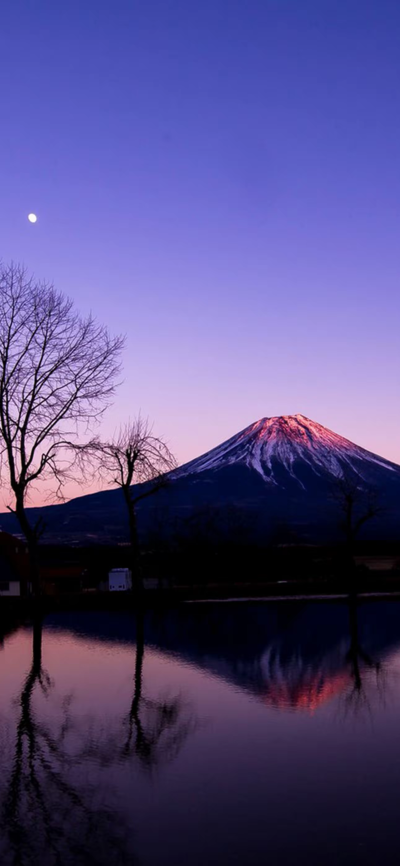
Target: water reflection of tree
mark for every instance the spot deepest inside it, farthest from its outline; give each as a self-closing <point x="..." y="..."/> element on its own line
<point x="46" y="817"/>
<point x="156" y="729"/>
<point x="152" y="731"/>
<point x="360" y="664"/>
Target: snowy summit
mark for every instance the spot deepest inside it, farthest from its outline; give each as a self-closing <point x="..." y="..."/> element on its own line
<point x="291" y="443"/>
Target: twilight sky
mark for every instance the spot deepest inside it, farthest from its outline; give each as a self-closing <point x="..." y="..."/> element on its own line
<point x="221" y="181"/>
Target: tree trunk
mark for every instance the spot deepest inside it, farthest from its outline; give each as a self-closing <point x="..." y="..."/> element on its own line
<point x="37" y="643"/>
<point x="350" y="566"/>
<point x="137" y="579"/>
<point x="32" y="542"/>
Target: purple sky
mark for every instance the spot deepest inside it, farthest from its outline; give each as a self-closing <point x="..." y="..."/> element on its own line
<point x="221" y="181"/>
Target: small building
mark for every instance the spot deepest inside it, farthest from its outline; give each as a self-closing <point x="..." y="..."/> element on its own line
<point x="10" y="586"/>
<point x="14" y="565"/>
<point x="119" y="580"/>
<point x="10" y="579"/>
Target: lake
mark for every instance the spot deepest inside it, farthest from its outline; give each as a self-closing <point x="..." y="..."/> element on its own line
<point x="210" y="733"/>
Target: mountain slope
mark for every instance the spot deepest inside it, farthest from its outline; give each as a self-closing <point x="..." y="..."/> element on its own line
<point x="278" y="472"/>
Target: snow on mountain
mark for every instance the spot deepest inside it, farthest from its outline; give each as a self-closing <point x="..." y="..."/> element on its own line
<point x="289" y="442"/>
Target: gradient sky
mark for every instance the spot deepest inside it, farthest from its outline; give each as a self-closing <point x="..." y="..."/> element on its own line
<point x="221" y="181"/>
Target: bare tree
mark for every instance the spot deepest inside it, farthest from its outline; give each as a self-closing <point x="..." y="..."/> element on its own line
<point x="58" y="374"/>
<point x="358" y="503"/>
<point x="135" y="457"/>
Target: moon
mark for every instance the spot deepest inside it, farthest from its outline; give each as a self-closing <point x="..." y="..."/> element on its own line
<point x="32" y="217"/>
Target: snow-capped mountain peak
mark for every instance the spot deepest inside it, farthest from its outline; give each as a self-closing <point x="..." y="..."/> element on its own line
<point x="289" y="442"/>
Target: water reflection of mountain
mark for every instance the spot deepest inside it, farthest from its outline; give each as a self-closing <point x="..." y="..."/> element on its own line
<point x="296" y="655"/>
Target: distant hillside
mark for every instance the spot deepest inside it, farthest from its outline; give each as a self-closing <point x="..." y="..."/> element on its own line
<point x="276" y="476"/>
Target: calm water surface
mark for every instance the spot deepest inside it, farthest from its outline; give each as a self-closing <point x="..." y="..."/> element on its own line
<point x="211" y="734"/>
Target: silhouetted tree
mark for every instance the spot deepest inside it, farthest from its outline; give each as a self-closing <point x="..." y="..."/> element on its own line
<point x="135" y="457"/>
<point x="358" y="503"/>
<point x="57" y="375"/>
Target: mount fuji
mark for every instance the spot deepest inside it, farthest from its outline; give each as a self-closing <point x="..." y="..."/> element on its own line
<point x="284" y="450"/>
<point x="286" y="471"/>
<point x="278" y="472"/>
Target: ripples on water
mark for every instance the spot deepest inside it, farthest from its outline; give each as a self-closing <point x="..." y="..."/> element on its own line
<point x="209" y="734"/>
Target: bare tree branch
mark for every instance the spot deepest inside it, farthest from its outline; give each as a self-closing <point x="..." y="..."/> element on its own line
<point x="357" y="504"/>
<point x="58" y="374"/>
<point x="135" y="456"/>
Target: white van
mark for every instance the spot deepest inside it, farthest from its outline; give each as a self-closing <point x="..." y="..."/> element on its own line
<point x="119" y="579"/>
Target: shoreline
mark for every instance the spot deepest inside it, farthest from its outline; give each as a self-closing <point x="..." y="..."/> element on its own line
<point x="15" y="608"/>
<point x="339" y="596"/>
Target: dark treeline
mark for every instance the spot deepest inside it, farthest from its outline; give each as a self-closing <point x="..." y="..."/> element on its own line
<point x="282" y="568"/>
<point x="213" y="548"/>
